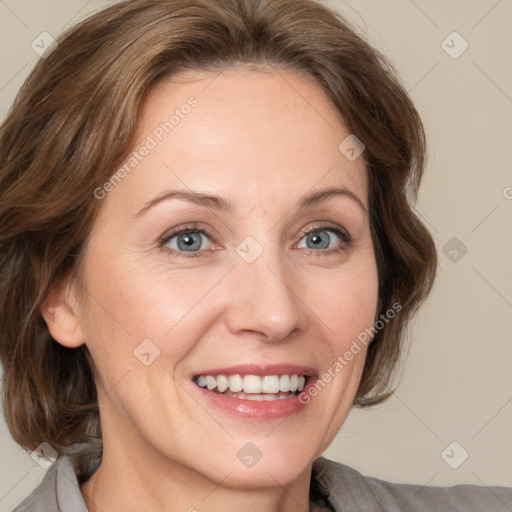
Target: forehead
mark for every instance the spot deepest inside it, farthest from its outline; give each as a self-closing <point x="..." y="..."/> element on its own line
<point x="269" y="133"/>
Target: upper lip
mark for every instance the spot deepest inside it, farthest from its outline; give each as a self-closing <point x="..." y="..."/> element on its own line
<point x="261" y="370"/>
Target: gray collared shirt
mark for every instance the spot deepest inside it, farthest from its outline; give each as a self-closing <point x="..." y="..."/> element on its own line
<point x="334" y="487"/>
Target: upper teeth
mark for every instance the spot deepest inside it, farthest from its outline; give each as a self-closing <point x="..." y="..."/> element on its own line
<point x="253" y="383"/>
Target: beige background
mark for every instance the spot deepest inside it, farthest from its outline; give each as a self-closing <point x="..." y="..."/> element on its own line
<point x="456" y="382"/>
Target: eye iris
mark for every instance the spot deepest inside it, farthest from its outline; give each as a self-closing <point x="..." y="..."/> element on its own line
<point x="316" y="239"/>
<point x="192" y="242"/>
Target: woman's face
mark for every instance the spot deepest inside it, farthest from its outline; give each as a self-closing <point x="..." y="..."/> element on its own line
<point x="270" y="278"/>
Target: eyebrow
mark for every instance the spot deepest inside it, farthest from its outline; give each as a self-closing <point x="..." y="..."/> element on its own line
<point x="218" y="203"/>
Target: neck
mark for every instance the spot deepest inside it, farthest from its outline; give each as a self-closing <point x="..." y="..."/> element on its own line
<point x="138" y="479"/>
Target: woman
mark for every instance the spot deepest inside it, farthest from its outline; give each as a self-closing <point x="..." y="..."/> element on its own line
<point x="208" y="256"/>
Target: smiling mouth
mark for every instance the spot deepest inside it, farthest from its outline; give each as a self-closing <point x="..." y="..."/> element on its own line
<point x="254" y="387"/>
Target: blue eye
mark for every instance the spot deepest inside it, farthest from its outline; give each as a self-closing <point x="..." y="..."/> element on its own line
<point x="322" y="238"/>
<point x="192" y="241"/>
<point x="186" y="240"/>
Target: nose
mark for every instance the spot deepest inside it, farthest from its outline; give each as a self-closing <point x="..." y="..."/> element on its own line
<point x="264" y="299"/>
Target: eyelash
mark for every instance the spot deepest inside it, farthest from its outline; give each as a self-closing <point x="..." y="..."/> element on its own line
<point x="194" y="228"/>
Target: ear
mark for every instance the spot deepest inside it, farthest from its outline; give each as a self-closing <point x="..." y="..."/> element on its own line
<point x="60" y="312"/>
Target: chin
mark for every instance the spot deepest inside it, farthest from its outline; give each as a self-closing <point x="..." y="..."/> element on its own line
<point x="272" y="464"/>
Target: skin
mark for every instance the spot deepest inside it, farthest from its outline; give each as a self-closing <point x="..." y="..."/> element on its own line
<point x="264" y="139"/>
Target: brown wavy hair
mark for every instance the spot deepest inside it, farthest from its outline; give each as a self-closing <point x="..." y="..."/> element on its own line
<point x="74" y="121"/>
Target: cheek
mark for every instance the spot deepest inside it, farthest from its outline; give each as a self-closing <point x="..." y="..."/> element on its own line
<point x="347" y="302"/>
<point x="347" y="309"/>
<point x="130" y="302"/>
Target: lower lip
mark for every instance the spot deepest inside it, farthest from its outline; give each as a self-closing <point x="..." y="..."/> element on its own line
<point x="264" y="410"/>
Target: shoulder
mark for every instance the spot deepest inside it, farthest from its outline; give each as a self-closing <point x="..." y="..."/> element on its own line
<point x="348" y="490"/>
<point x="59" y="491"/>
